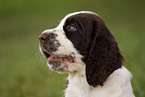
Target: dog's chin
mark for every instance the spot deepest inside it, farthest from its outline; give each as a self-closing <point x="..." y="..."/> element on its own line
<point x="60" y="67"/>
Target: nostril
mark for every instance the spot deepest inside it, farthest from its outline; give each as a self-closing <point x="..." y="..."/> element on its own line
<point x="43" y="37"/>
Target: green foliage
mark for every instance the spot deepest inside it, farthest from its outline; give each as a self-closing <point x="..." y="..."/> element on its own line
<point x="23" y="70"/>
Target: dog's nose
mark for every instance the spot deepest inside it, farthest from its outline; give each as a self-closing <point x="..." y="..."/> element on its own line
<point x="43" y="37"/>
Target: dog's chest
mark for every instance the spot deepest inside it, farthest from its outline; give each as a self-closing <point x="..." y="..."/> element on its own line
<point x="78" y="87"/>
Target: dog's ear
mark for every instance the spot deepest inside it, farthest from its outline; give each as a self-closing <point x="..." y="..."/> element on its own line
<point x="104" y="56"/>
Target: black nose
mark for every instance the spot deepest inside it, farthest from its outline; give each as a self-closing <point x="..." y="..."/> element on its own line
<point x="43" y="37"/>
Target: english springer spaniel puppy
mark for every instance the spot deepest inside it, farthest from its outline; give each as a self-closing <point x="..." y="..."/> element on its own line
<point x="82" y="46"/>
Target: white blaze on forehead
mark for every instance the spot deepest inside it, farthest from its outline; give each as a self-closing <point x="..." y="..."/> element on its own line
<point x="60" y="26"/>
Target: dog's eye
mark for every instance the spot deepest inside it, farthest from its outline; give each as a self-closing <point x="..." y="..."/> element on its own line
<point x="72" y="28"/>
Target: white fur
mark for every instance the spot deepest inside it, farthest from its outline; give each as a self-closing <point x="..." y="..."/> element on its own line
<point x="117" y="84"/>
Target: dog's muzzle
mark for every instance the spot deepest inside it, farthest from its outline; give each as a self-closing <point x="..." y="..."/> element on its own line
<point x="48" y="43"/>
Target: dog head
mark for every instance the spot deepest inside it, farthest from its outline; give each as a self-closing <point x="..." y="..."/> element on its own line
<point x="81" y="42"/>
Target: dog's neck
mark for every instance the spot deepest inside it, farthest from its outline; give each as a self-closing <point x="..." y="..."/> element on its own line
<point x="77" y="85"/>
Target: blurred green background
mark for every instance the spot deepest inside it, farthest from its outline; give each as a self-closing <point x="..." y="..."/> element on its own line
<point x="23" y="70"/>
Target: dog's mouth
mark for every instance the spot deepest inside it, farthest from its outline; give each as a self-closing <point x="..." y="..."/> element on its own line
<point x="58" y="58"/>
<point x="61" y="59"/>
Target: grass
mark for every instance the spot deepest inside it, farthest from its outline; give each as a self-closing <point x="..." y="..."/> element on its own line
<point x="23" y="70"/>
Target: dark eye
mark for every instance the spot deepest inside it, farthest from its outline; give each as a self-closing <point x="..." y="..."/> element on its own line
<point x="72" y="28"/>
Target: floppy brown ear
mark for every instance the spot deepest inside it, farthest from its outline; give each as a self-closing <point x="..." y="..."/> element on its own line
<point x="104" y="56"/>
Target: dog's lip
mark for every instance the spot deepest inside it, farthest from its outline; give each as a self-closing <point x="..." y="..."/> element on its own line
<point x="46" y="53"/>
<point x="50" y="57"/>
<point x="59" y="58"/>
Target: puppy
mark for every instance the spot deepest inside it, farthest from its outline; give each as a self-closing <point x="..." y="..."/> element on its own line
<point x="82" y="46"/>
